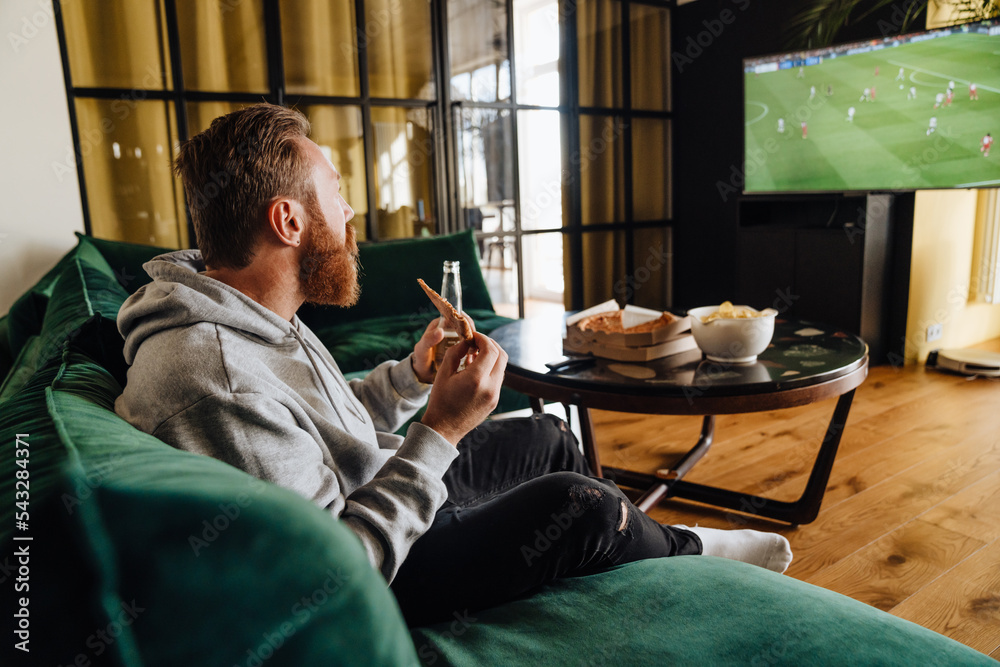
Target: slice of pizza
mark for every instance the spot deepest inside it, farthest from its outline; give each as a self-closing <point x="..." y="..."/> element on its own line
<point x="458" y="320"/>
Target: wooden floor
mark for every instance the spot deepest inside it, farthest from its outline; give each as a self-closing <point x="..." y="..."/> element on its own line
<point x="910" y="523"/>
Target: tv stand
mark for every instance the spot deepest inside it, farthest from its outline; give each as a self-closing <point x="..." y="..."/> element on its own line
<point x="842" y="259"/>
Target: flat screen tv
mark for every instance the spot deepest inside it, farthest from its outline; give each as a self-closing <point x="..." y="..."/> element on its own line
<point x="903" y="113"/>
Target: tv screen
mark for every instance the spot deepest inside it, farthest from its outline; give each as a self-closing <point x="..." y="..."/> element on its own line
<point x="902" y="113"/>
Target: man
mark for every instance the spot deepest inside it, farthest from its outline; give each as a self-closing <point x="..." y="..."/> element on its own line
<point x="222" y="366"/>
<point x="973" y="93"/>
<point x="984" y="146"/>
<point x="850" y="114"/>
<point x="932" y="126"/>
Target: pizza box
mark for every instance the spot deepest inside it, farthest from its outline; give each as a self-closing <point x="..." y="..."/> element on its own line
<point x="676" y="345"/>
<point x="631" y="316"/>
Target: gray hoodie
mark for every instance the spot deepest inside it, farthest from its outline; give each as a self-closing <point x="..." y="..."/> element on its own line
<point x="214" y="372"/>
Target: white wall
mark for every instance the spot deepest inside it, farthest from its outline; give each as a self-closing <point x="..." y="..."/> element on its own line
<point x="39" y="208"/>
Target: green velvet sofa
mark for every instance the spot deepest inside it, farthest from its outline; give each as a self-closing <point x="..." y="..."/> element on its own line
<point x="121" y="550"/>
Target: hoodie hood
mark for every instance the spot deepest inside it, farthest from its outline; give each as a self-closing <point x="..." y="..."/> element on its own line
<point x="181" y="295"/>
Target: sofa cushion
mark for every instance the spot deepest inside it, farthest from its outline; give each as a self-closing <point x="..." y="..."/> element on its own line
<point x="28" y="312"/>
<point x="687" y="610"/>
<point x="126" y="260"/>
<point x="190" y="560"/>
<point x="82" y="305"/>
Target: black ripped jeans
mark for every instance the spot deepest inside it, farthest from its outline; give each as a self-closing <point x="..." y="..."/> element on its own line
<point x="523" y="510"/>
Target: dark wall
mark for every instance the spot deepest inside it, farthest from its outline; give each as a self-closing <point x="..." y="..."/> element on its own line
<point x="710" y="40"/>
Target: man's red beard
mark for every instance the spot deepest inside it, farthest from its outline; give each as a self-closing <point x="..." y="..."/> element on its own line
<point x="328" y="272"/>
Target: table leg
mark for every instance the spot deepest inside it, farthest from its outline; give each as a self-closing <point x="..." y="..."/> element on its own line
<point x="803" y="510"/>
<point x="671" y="476"/>
<point x="589" y="446"/>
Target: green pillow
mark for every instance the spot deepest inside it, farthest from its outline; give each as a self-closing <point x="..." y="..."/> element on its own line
<point x="126" y="259"/>
<point x="27" y="363"/>
<point x="197" y="562"/>
<point x="83" y="295"/>
<point x="28" y="312"/>
<point x="686" y="610"/>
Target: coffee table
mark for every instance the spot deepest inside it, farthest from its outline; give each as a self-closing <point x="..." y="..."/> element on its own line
<point x="806" y="362"/>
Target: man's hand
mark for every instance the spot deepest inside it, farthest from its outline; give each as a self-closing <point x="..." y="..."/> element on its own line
<point x="461" y="400"/>
<point x="422" y="360"/>
<point x="423" y="352"/>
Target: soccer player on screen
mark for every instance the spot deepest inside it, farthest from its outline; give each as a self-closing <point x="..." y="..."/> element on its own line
<point x="912" y="94"/>
<point x="781" y="126"/>
<point x="973" y="93"/>
<point x="850" y="115"/>
<point x="866" y="95"/>
<point x="938" y="100"/>
<point x="900" y="76"/>
<point x="932" y="127"/>
<point x="984" y="147"/>
<point x="948" y="97"/>
<point x="812" y="92"/>
<point x="805" y="129"/>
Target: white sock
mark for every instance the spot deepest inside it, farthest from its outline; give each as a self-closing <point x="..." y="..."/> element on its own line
<point x="768" y="550"/>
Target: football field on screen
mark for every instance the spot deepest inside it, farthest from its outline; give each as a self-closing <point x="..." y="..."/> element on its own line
<point x="887" y="144"/>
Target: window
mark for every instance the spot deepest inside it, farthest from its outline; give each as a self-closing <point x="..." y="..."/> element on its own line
<point x="517" y="118"/>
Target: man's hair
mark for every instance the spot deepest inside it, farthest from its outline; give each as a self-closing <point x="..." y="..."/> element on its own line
<point x="233" y="171"/>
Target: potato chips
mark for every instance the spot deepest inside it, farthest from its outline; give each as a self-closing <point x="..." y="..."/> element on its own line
<point x="727" y="311"/>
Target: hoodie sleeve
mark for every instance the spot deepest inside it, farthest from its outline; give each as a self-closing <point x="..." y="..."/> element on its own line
<point x="391" y="393"/>
<point x="262" y="437"/>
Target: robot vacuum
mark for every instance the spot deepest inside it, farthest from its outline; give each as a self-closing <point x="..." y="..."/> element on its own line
<point x="966" y="362"/>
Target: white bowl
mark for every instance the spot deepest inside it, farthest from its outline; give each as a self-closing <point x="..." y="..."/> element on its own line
<point x="732" y="340"/>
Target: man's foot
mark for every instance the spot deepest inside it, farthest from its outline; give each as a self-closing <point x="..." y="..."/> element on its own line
<point x="768" y="550"/>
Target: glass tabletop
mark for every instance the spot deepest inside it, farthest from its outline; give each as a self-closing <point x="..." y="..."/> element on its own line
<point x="801" y="354"/>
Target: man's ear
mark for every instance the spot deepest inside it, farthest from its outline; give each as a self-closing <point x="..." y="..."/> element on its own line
<point x="285" y="218"/>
